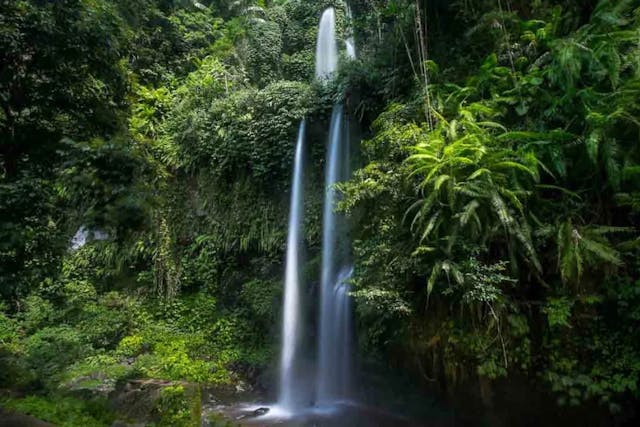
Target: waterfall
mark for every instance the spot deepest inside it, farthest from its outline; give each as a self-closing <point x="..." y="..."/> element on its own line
<point x="85" y="235"/>
<point x="350" y="44"/>
<point x="335" y="328"/>
<point x="290" y="384"/>
<point x="334" y="344"/>
<point x="326" y="48"/>
<point x="351" y="49"/>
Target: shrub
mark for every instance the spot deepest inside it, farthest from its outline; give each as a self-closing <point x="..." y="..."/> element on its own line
<point x="50" y="350"/>
<point x="10" y="348"/>
<point x="131" y="345"/>
<point x="63" y="411"/>
<point x="163" y="352"/>
<point x="38" y="312"/>
<point x="101" y="370"/>
<point x="179" y="407"/>
<point x="170" y="360"/>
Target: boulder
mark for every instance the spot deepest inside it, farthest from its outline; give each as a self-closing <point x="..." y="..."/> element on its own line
<point x="140" y="402"/>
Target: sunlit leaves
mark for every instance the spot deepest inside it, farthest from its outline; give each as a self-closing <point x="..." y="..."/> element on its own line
<point x="464" y="175"/>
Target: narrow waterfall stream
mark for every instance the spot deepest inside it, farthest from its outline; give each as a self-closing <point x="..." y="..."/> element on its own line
<point x="290" y="383"/>
<point x="350" y="44"/>
<point x="326" y="46"/>
<point x="335" y="335"/>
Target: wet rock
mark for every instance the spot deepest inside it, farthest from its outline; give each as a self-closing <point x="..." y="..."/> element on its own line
<point x="260" y="412"/>
<point x="252" y="414"/>
<point x="136" y="400"/>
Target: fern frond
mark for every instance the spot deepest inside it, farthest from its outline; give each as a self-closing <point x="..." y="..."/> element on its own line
<point x="513" y="198"/>
<point x="435" y="271"/>
<point x="609" y="229"/>
<point x="431" y="225"/>
<point x="478" y="173"/>
<point x="601" y="251"/>
<point x="410" y="209"/>
<point x="439" y="181"/>
<point x="561" y="189"/>
<point x="501" y="210"/>
<point x="516" y="166"/>
<point x="468" y="212"/>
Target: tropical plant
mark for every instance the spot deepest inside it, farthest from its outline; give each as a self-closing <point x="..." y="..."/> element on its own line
<point x="471" y="186"/>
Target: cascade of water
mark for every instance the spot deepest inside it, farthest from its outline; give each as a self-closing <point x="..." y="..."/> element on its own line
<point x="335" y="334"/>
<point x="351" y="49"/>
<point x="84" y="235"/>
<point x="350" y="44"/>
<point x="326" y="48"/>
<point x="290" y="384"/>
<point x="334" y="345"/>
<point x="327" y="372"/>
<point x="335" y="337"/>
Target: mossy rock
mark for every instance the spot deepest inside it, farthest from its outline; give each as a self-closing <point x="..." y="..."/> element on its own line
<point x="162" y="403"/>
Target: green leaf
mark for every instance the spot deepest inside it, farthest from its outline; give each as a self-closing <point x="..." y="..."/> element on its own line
<point x="435" y="271"/>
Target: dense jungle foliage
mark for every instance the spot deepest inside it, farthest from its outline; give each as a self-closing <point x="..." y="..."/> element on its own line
<point x="494" y="206"/>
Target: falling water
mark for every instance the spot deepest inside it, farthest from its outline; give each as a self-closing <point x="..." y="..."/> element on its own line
<point x="334" y="345"/>
<point x="84" y="235"/>
<point x="349" y="42"/>
<point x="335" y="338"/>
<point x="326" y="48"/>
<point x="335" y="307"/>
<point x="290" y="384"/>
<point x="351" y="49"/>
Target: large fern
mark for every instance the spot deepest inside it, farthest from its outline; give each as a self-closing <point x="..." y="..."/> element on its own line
<point x="471" y="185"/>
